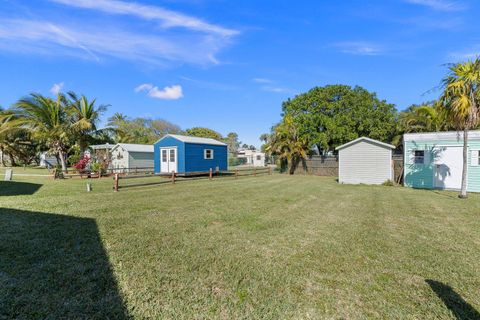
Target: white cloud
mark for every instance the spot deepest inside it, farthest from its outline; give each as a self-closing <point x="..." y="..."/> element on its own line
<point x="359" y="48"/>
<point x="57" y="88"/>
<point x="262" y="80"/>
<point x="274" y="89"/>
<point x="97" y="42"/>
<point x="439" y="5"/>
<point x="167" y="93"/>
<point x="167" y="18"/>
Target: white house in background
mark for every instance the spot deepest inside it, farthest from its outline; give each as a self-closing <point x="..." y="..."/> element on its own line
<point x="253" y="157"/>
<point x="365" y="160"/>
<point x="129" y="157"/>
<point x="47" y="160"/>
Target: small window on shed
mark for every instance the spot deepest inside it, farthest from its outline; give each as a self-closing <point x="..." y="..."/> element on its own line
<point x="208" y="154"/>
<point x="164" y="155"/>
<point x="259" y="157"/>
<point x="419" y="157"/>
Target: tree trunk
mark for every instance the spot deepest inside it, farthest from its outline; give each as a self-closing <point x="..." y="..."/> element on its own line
<point x="61" y="155"/>
<point x="12" y="160"/>
<point x="463" y="192"/>
<point x="2" y="157"/>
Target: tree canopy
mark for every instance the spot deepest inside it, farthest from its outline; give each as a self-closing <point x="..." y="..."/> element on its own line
<point x="329" y="116"/>
<point x="203" y="132"/>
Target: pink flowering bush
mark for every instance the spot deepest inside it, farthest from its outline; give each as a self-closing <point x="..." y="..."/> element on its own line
<point x="82" y="163"/>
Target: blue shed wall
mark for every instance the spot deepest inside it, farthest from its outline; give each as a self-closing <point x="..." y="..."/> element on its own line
<point x="195" y="162"/>
<point x="169" y="142"/>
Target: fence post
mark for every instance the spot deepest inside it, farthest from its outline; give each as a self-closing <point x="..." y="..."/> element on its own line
<point x="173" y="177"/>
<point x="115" y="183"/>
<point x="210" y="174"/>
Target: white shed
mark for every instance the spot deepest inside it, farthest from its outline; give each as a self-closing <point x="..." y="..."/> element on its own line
<point x="130" y="157"/>
<point x="365" y="160"/>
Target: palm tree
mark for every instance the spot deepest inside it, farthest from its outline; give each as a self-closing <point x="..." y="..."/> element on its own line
<point x="48" y="122"/>
<point x="461" y="99"/>
<point x="84" y="117"/>
<point x="286" y="142"/>
<point x="117" y="124"/>
<point x="424" y="118"/>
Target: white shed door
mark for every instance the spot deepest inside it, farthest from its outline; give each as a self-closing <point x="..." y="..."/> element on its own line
<point x="168" y="160"/>
<point x="448" y="167"/>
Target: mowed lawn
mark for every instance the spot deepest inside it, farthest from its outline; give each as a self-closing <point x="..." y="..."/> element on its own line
<point x="267" y="247"/>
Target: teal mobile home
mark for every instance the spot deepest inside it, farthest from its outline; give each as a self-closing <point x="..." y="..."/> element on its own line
<point x="434" y="160"/>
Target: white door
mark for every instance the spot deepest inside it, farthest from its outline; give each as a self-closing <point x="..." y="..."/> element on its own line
<point x="448" y="162"/>
<point x="168" y="160"/>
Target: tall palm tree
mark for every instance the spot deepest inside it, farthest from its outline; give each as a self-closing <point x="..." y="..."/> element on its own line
<point x="84" y="117"/>
<point x="461" y="98"/>
<point x="48" y="122"/>
<point x="286" y="142"/>
<point x="117" y="124"/>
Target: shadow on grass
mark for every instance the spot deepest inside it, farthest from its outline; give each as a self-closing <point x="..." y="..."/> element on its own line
<point x="15" y="188"/>
<point x="453" y="301"/>
<point x="54" y="266"/>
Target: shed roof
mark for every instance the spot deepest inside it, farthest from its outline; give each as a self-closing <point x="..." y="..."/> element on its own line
<point x="444" y="135"/>
<point x="189" y="139"/>
<point x="102" y="146"/>
<point x="383" y="144"/>
<point x="130" y="147"/>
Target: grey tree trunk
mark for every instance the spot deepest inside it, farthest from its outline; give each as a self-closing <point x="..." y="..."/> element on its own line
<point x="463" y="192"/>
<point x="61" y="155"/>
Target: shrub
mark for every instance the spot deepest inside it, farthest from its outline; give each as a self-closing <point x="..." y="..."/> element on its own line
<point x="388" y="183"/>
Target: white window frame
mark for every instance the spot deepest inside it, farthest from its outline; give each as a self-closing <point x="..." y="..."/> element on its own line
<point x="205" y="154"/>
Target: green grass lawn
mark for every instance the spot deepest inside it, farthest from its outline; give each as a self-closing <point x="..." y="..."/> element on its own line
<point x="267" y="247"/>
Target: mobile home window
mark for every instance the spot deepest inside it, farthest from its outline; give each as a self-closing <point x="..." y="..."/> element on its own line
<point x="259" y="158"/>
<point x="419" y="156"/>
<point x="208" y="154"/>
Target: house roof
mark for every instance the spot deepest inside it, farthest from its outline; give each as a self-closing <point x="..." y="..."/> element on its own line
<point x="365" y="139"/>
<point x="130" y="147"/>
<point x="445" y="135"/>
<point x="102" y="146"/>
<point x="189" y="139"/>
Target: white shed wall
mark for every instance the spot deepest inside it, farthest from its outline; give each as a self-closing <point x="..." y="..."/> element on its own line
<point x="120" y="158"/>
<point x="365" y="162"/>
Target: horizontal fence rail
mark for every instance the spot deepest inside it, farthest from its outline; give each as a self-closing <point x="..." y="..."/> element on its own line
<point x="156" y="179"/>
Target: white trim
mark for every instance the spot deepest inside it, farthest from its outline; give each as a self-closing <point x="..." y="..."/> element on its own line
<point x="474" y="154"/>
<point x="446" y="135"/>
<point x="205" y="154"/>
<point x="365" y="139"/>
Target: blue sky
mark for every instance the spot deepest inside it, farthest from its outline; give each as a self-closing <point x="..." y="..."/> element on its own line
<point x="228" y="65"/>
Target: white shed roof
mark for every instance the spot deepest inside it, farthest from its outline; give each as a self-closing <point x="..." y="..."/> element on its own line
<point x="445" y="135"/>
<point x="189" y="139"/>
<point x="365" y="139"/>
<point x="130" y="147"/>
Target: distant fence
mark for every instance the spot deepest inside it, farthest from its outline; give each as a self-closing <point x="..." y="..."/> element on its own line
<point x="398" y="168"/>
<point x="121" y="181"/>
<point x="328" y="166"/>
<point x="319" y="166"/>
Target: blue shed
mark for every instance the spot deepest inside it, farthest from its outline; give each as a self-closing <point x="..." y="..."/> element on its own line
<point x="187" y="155"/>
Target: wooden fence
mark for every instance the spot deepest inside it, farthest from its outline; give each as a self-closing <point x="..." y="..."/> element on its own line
<point x="319" y="166"/>
<point x="136" y="180"/>
<point x="328" y="166"/>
